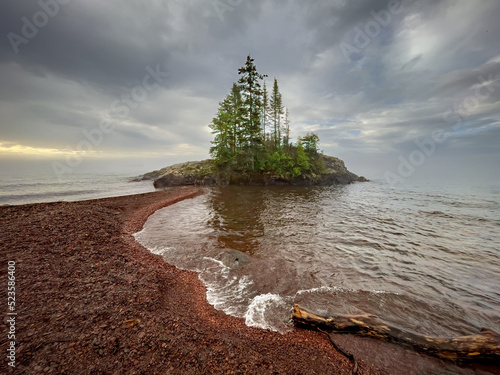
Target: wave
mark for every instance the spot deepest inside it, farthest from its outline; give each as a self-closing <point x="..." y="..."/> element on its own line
<point x="270" y="311"/>
<point x="437" y="213"/>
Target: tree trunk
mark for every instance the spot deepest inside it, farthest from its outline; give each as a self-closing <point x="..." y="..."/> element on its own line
<point x="483" y="346"/>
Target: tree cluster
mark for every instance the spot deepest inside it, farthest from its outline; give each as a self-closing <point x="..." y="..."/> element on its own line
<point x="252" y="131"/>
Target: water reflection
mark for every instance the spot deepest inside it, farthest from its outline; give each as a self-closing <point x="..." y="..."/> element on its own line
<point x="241" y="215"/>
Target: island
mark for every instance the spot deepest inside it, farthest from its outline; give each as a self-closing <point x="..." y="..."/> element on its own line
<point x="252" y="146"/>
<point x="206" y="173"/>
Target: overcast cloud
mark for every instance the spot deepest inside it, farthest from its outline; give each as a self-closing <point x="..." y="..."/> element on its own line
<point x="374" y="79"/>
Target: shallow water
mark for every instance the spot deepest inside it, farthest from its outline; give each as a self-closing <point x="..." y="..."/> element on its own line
<point x="422" y="258"/>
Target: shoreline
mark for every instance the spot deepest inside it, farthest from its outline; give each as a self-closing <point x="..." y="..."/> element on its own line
<point x="90" y="299"/>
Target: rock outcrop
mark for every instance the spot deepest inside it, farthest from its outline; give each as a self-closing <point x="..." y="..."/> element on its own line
<point x="190" y="173"/>
<point x="337" y="173"/>
<point x="205" y="173"/>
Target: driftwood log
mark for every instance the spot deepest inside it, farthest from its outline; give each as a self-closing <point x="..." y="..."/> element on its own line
<point x="483" y="346"/>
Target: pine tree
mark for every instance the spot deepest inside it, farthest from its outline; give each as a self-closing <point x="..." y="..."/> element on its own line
<point x="310" y="142"/>
<point x="240" y="125"/>
<point x="251" y="93"/>
<point x="275" y="111"/>
<point x="286" y="127"/>
<point x="236" y="110"/>
<point x="227" y="128"/>
<point x="265" y="101"/>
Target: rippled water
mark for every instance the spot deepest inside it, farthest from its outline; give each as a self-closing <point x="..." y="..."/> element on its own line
<point x="421" y="258"/>
<point x="27" y="188"/>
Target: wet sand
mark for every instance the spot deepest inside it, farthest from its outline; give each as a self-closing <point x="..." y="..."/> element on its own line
<point x="91" y="300"/>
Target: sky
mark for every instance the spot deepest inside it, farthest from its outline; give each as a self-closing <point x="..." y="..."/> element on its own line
<point x="397" y="89"/>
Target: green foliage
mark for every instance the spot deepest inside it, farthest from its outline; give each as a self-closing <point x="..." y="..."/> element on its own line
<point x="310" y="142"/>
<point x="227" y="129"/>
<point x="275" y="112"/>
<point x="251" y="93"/>
<point x="239" y="129"/>
<point x="265" y="112"/>
<point x="280" y="163"/>
<point x="303" y="164"/>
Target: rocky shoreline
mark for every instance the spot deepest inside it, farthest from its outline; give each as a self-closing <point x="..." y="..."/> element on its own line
<point x="205" y="173"/>
<point x="91" y="300"/>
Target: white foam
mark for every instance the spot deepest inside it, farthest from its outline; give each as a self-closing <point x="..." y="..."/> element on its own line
<point x="234" y="295"/>
<point x="218" y="262"/>
<point x="161" y="250"/>
<point x="141" y="238"/>
<point x="226" y="291"/>
<point x="336" y="289"/>
<point x="269" y="311"/>
<point x="321" y="289"/>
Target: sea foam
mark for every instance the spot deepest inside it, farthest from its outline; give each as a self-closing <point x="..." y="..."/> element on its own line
<point x="269" y="311"/>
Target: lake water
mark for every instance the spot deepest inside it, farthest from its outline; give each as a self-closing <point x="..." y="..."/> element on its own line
<point x="421" y="257"/>
<point x="20" y="188"/>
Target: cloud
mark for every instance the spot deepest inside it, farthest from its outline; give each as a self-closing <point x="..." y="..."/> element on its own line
<point x="419" y="73"/>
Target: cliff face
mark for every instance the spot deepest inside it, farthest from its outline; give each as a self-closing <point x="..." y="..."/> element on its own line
<point x="205" y="173"/>
<point x="337" y="173"/>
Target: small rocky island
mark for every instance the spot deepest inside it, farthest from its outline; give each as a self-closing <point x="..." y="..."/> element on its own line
<point x="206" y="173"/>
<point x="252" y="145"/>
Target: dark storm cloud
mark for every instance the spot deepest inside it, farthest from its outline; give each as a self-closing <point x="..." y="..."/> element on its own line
<point x="106" y="44"/>
<point x="419" y="73"/>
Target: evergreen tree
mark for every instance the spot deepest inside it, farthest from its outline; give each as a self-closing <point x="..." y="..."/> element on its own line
<point x="302" y="163"/>
<point x="236" y="119"/>
<point x="286" y="128"/>
<point x="227" y="127"/>
<point x="275" y="111"/>
<point x="251" y="93"/>
<point x="239" y="129"/>
<point x="310" y="142"/>
<point x="265" y="101"/>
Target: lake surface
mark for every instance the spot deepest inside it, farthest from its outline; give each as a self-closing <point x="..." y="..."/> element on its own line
<point x="19" y="188"/>
<point x="423" y="258"/>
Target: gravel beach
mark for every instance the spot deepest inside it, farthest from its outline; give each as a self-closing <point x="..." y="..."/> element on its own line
<point x="90" y="300"/>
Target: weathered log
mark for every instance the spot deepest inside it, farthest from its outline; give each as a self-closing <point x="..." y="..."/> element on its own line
<point x="483" y="346"/>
